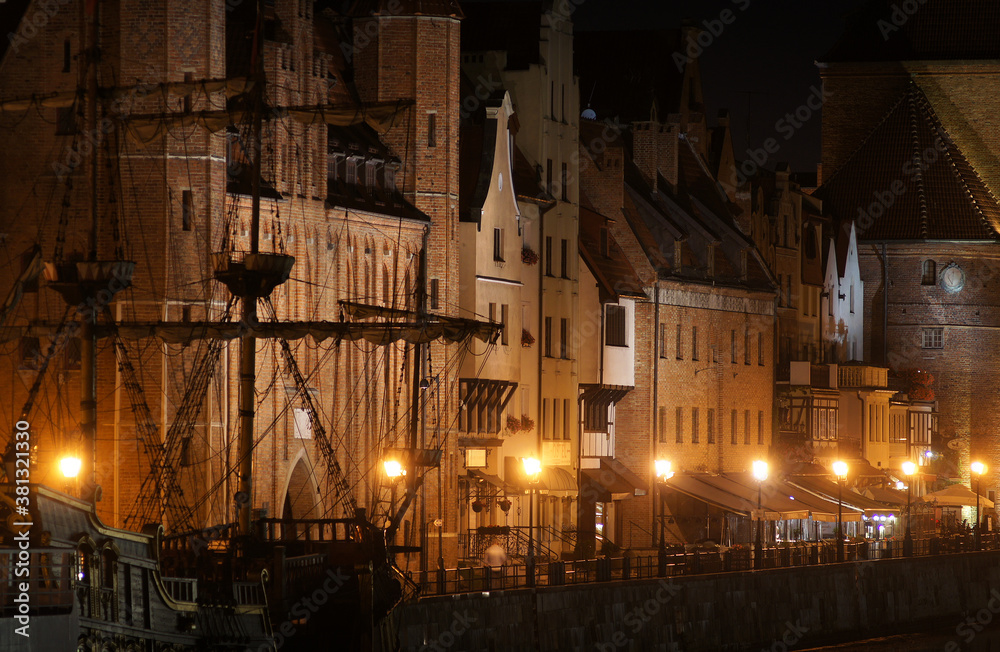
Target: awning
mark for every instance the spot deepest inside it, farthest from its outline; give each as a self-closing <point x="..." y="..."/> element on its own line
<point x="494" y="480"/>
<point x="828" y="490"/>
<point x="957" y="495"/>
<point x="552" y="478"/>
<point x="612" y="481"/>
<point x="738" y="493"/>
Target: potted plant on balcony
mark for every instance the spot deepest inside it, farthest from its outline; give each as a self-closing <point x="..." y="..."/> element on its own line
<point x="513" y="424"/>
<point x="528" y="256"/>
<point x="527" y="339"/>
<point x="527" y="423"/>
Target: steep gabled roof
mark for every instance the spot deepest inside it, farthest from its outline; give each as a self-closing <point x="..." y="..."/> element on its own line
<point x="614" y="273"/>
<point x="882" y="30"/>
<point x="909" y="181"/>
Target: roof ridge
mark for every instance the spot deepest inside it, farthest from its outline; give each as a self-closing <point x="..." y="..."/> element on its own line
<point x="949" y="145"/>
<point x="917" y="158"/>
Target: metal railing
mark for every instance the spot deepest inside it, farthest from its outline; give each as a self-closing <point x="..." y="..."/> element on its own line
<point x="476" y="579"/>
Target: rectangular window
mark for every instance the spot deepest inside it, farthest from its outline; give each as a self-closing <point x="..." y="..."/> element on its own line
<point x="370" y="175"/>
<point x="188" y="100"/>
<point x="760" y="428"/>
<point x="351" y="175"/>
<point x="710" y="425"/>
<point x="680" y="351"/>
<point x="564" y="338"/>
<point x="694" y="426"/>
<point x="434" y="293"/>
<point x="852" y="298"/>
<point x="185" y="451"/>
<point x="31" y="352"/>
<point x="492" y="312"/>
<point x="746" y="427"/>
<point x="732" y="346"/>
<point x="746" y="346"/>
<point x="694" y="342"/>
<point x="27" y="260"/>
<point x="566" y="419"/>
<point x="546" y="432"/>
<point x="565" y="182"/>
<point x="933" y="338"/>
<point x="552" y="100"/>
<point x="548" y="337"/>
<point x="679" y="434"/>
<point x="303" y="424"/>
<point x="614" y="334"/>
<point x="432" y="129"/>
<point x="760" y="349"/>
<point x="663" y="340"/>
<point x="564" y="258"/>
<point x="548" y="176"/>
<point x="733" y="434"/>
<point x="662" y="434"/>
<point x="187" y="210"/>
<point x="504" y="319"/>
<point x="498" y="245"/>
<point x="548" y="255"/>
<point x="604" y="241"/>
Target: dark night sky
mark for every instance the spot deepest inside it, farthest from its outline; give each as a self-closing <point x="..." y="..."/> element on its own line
<point x="761" y="64"/>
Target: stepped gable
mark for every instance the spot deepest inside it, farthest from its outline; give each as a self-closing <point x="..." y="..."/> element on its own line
<point x="938" y="30"/>
<point x="909" y="181"/>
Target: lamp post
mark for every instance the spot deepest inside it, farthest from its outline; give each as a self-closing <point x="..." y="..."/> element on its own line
<point x="532" y="467"/>
<point x="760" y="473"/>
<point x="70" y="467"/>
<point x="978" y="468"/>
<point x="840" y="470"/>
<point x="663" y="473"/>
<point x="909" y="468"/>
<point x="394" y="471"/>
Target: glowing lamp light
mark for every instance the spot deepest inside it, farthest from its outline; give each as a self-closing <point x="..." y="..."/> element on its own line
<point x="840" y="469"/>
<point x="900" y="484"/>
<point x="978" y="468"/>
<point x="70" y="466"/>
<point x="663" y="469"/>
<point x="760" y="470"/>
<point x="532" y="467"/>
<point x="393" y="469"/>
<point x="909" y="468"/>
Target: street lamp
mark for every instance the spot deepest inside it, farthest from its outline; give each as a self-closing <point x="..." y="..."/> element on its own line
<point x="70" y="467"/>
<point x="978" y="468"/>
<point x="394" y="471"/>
<point x="663" y="473"/>
<point x="760" y="473"/>
<point x="909" y="468"/>
<point x="840" y="470"/>
<point x="532" y="468"/>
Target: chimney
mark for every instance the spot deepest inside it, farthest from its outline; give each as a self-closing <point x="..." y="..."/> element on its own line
<point x="655" y="151"/>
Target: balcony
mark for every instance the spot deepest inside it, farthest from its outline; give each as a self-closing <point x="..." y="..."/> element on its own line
<point x="860" y="376"/>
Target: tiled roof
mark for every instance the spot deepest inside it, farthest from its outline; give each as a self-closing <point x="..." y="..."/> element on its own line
<point x="614" y="274"/>
<point x="909" y="181"/>
<point x="882" y="30"/>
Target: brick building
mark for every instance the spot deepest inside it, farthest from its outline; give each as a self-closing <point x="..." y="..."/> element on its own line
<point x="704" y="355"/>
<point x="353" y="193"/>
<point x="909" y="155"/>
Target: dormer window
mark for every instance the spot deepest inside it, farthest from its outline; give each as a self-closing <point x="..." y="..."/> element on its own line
<point x="351" y="175"/>
<point x="370" y="175"/>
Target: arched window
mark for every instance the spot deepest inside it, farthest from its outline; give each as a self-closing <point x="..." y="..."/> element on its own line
<point x="929" y="273"/>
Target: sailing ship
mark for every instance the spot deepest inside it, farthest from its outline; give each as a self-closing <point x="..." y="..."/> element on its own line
<point x="196" y="559"/>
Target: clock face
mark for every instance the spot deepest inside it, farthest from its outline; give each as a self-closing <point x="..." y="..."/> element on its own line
<point x="953" y="278"/>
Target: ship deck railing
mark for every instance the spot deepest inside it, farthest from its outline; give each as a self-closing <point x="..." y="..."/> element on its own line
<point x="51" y="577"/>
